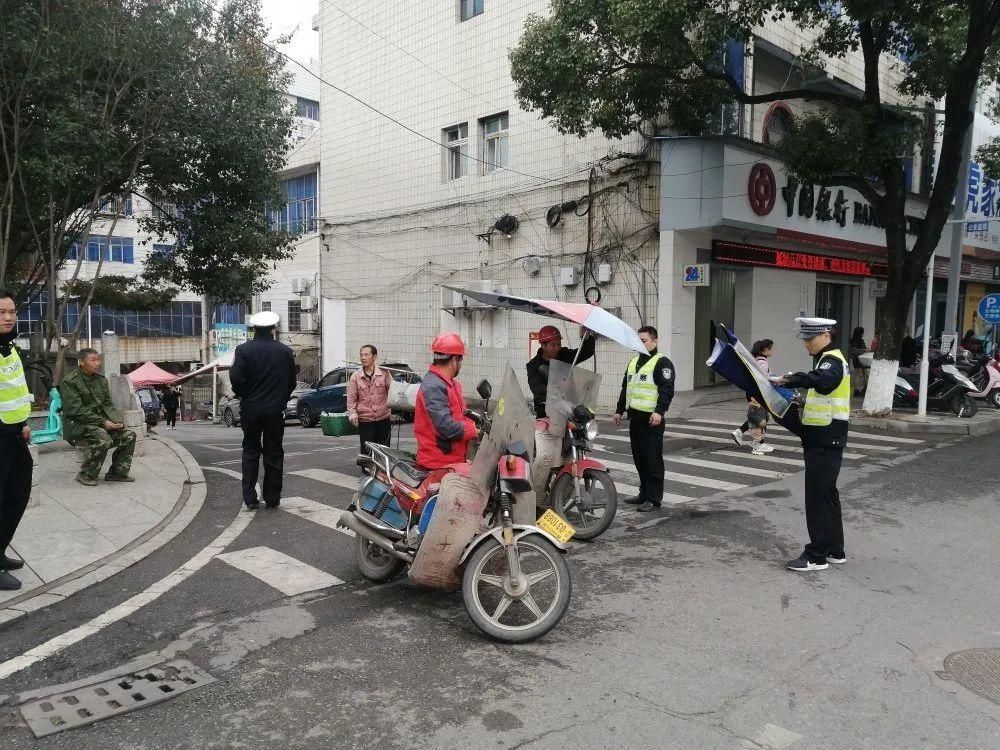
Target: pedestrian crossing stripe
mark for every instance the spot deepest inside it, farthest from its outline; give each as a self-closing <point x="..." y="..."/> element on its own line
<point x="279" y="571"/>
<point x="726" y="467"/>
<point x="330" y="477"/>
<point x="797" y="462"/>
<point x="728" y="441"/>
<point x="310" y="510"/>
<point x="789" y="438"/>
<point x="864" y="435"/>
<point x="715" y="484"/>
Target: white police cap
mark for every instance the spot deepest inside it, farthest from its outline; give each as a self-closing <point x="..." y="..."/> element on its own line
<point x="809" y="327"/>
<point x="265" y="319"/>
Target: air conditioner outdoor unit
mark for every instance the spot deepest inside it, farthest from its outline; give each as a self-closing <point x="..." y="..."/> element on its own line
<point x="307" y="322"/>
<point x="451" y="300"/>
<point x="299" y="285"/>
<point x="308" y="302"/>
<point x="487" y="285"/>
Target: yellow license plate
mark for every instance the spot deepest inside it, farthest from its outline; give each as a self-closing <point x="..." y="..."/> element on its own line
<point x="553" y="523"/>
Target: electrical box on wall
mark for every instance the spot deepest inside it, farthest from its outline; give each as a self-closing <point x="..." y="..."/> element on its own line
<point x="486" y="285"/>
<point x="307" y="302"/>
<point x="451" y="300"/>
<point x="567" y="276"/>
<point x="604" y="273"/>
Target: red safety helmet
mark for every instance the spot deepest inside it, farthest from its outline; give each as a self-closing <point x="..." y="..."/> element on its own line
<point x="448" y="343"/>
<point x="548" y="333"/>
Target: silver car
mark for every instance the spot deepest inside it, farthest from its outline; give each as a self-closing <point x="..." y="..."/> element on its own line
<point x="231" y="407"/>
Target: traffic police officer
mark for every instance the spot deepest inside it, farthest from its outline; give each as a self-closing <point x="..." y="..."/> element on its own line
<point x="823" y="431"/>
<point x="15" y="460"/>
<point x="263" y="376"/>
<point x="647" y="390"/>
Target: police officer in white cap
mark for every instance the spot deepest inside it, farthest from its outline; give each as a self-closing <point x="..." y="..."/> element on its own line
<point x="263" y="376"/>
<point x="824" y="419"/>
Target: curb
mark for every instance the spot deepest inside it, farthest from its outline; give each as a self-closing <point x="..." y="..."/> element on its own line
<point x="965" y="427"/>
<point x="189" y="502"/>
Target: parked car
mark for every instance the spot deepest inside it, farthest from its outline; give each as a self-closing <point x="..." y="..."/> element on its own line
<point x="231" y="407"/>
<point x="329" y="394"/>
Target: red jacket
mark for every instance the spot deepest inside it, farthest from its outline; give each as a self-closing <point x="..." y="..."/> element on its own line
<point x="442" y="430"/>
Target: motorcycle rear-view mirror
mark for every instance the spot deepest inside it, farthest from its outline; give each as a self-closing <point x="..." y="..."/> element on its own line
<point x="484" y="389"/>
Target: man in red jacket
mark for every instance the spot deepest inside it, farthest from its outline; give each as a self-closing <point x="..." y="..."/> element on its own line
<point x="442" y="430"/>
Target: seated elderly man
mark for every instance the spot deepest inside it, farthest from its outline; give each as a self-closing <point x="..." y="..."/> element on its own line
<point x="92" y="422"/>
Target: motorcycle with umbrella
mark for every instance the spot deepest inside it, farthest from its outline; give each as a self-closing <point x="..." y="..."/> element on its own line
<point x="580" y="488"/>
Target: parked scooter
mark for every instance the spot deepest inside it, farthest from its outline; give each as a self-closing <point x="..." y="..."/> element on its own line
<point x="515" y="582"/>
<point x="947" y="389"/>
<point x="984" y="372"/>
<point x="580" y="489"/>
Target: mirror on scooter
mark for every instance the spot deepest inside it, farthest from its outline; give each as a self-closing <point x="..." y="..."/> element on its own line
<point x="484" y="389"/>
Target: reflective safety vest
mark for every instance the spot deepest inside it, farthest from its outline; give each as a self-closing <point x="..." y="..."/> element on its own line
<point x="15" y="398"/>
<point x="821" y="410"/>
<point x="641" y="392"/>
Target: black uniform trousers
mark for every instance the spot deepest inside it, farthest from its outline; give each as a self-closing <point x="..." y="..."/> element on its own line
<point x="263" y="433"/>
<point x="823" y="516"/>
<point x="647" y="453"/>
<point x="15" y="484"/>
<point x="375" y="432"/>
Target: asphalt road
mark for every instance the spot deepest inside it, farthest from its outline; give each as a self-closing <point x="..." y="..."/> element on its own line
<point x="684" y="630"/>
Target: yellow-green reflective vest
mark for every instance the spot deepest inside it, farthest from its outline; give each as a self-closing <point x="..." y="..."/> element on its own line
<point x="821" y="410"/>
<point x="641" y="392"/>
<point x="15" y="398"/>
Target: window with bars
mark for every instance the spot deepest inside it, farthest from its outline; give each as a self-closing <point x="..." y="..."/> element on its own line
<point x="265" y="306"/>
<point x="110" y="250"/>
<point x="470" y="8"/>
<point x="294" y="315"/>
<point x="308" y="108"/>
<point x="456" y="140"/>
<point x="116" y="205"/>
<point x="496" y="142"/>
<point x="298" y="215"/>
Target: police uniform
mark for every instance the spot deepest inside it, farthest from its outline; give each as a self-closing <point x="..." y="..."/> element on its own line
<point x="15" y="460"/>
<point x="263" y="376"/>
<point x="647" y="388"/>
<point x="823" y="425"/>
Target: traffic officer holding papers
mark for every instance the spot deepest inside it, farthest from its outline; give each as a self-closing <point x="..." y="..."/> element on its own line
<point x="647" y="390"/>
<point x="823" y="430"/>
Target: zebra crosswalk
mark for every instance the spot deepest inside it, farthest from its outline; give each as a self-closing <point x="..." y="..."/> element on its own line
<point x="703" y="465"/>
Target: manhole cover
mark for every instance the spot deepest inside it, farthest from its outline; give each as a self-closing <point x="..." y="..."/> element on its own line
<point x="977" y="669"/>
<point x="77" y="708"/>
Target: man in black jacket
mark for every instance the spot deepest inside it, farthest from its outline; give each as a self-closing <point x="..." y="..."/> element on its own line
<point x="647" y="390"/>
<point x="263" y="376"/>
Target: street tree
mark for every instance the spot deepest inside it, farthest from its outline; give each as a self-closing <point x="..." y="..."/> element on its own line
<point x="619" y="66"/>
<point x="103" y="101"/>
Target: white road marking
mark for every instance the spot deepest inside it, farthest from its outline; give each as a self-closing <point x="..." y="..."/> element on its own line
<point x="279" y="571"/>
<point x="716" y="484"/>
<point x="726" y="467"/>
<point x="725" y="441"/>
<point x="330" y="477"/>
<point x="128" y="607"/>
<point x="787" y="438"/>
<point x="766" y="457"/>
<point x="310" y="510"/>
<point x="863" y="435"/>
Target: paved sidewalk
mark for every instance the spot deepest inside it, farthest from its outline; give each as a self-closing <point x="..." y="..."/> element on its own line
<point x="73" y="536"/>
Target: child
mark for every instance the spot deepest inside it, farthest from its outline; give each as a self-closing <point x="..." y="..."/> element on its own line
<point x="756" y="422"/>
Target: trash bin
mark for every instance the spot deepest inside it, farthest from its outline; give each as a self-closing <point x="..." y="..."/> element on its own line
<point x="337" y="425"/>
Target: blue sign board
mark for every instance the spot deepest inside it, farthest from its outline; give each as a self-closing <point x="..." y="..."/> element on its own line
<point x="989" y="308"/>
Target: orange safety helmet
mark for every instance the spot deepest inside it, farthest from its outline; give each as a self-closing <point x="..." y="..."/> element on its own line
<point x="548" y="333"/>
<point x="448" y="343"/>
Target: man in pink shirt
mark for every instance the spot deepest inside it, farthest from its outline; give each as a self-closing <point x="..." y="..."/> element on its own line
<point x="368" y="400"/>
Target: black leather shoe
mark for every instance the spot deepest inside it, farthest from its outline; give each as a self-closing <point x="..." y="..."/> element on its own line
<point x="273" y="505"/>
<point x="9" y="563"/>
<point x="8" y="582"/>
<point x="648" y="507"/>
<point x="253" y="506"/>
<point x="635" y="500"/>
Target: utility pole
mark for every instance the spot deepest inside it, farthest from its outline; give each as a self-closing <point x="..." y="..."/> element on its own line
<point x="951" y="324"/>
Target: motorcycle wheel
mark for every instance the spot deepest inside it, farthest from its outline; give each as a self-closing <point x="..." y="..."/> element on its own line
<point x="964" y="406"/>
<point x="592" y="514"/>
<point x="228" y="419"/>
<point x="994" y="398"/>
<point x="375" y="563"/>
<point x="518" y="618"/>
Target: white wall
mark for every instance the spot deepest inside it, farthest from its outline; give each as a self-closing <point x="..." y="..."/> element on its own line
<point x="779" y="298"/>
<point x="676" y="310"/>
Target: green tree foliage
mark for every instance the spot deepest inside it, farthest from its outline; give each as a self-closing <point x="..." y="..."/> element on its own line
<point x="618" y="66"/>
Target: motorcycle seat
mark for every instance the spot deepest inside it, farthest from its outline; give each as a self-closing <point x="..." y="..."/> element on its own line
<point x="403" y="468"/>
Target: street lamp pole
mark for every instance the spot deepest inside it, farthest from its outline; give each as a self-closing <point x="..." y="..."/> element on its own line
<point x="924" y="365"/>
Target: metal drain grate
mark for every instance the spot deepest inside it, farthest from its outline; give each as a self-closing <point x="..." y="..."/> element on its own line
<point x="977" y="669"/>
<point x="77" y="708"/>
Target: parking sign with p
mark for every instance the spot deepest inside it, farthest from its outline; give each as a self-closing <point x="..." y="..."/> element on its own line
<point x="989" y="308"/>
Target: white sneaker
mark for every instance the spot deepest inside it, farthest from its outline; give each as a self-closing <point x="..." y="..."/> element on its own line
<point x="765" y="448"/>
<point x="836" y="560"/>
<point x="738" y="437"/>
<point x="758" y="450"/>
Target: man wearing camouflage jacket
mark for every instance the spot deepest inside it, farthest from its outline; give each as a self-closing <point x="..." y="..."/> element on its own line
<point x="92" y="422"/>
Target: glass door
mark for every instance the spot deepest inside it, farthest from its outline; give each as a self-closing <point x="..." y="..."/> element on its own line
<point x="716" y="302"/>
<point x="840" y="302"/>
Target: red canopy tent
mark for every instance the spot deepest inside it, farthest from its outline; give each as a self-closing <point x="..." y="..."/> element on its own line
<point x="149" y="374"/>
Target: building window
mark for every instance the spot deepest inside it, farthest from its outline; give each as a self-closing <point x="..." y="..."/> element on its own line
<point x="166" y="251"/>
<point x="307" y="108"/>
<point x="470" y="8"/>
<point x="113" y="250"/>
<point x="294" y="315"/>
<point x="496" y="142"/>
<point x="116" y="205"/>
<point x="265" y="306"/>
<point x="456" y="140"/>
<point x="298" y="215"/>
<point x="777" y="124"/>
<point x="177" y="319"/>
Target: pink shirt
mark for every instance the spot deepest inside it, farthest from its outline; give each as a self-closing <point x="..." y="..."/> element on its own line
<point x="368" y="397"/>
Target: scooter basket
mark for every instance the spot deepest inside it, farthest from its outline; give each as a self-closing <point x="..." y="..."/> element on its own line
<point x="376" y="498"/>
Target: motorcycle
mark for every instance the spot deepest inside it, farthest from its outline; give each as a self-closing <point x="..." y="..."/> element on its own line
<point x="984" y="372"/>
<point x="947" y="389"/>
<point x="457" y="526"/>
<point x="580" y="489"/>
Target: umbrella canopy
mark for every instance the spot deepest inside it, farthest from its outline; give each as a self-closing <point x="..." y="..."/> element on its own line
<point x="222" y="363"/>
<point x="591" y="317"/>
<point x="150" y="374"/>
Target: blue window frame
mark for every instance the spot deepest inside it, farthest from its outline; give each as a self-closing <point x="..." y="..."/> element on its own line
<point x="470" y="8"/>
<point x="298" y="215"/>
<point x="115" y="250"/>
<point x="308" y="108"/>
